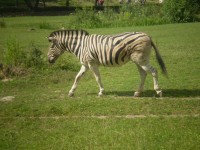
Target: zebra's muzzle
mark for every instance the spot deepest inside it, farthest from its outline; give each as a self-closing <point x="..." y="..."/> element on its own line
<point x="51" y="60"/>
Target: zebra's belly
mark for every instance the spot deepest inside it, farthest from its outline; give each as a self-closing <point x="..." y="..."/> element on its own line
<point x="114" y="61"/>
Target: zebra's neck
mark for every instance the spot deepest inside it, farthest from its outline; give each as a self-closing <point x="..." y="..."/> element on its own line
<point x="73" y="40"/>
<point x="73" y="44"/>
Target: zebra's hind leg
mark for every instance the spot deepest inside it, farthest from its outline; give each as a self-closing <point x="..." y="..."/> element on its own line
<point x="143" y="75"/>
<point x="78" y="76"/>
<point x="154" y="73"/>
<point x="96" y="73"/>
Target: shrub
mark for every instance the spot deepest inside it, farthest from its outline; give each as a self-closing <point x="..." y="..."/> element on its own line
<point x="128" y="15"/>
<point x="35" y="57"/>
<point x="86" y="18"/>
<point x="180" y="10"/>
<point x="14" y="55"/>
<point x="45" y="25"/>
<point x="14" y="59"/>
<point x="67" y="62"/>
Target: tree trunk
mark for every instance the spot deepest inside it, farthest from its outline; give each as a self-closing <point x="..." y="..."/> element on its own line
<point x="17" y="3"/>
<point x="44" y="4"/>
<point x="67" y="3"/>
<point x="95" y="3"/>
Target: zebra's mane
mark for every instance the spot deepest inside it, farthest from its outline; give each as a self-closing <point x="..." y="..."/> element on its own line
<point x="83" y="32"/>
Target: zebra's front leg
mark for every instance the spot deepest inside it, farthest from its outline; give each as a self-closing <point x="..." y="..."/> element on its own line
<point x="78" y="76"/>
<point x="96" y="73"/>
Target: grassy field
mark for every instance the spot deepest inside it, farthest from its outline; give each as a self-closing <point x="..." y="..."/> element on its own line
<point x="40" y="115"/>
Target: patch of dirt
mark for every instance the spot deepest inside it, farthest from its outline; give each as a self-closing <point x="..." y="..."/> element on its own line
<point x="6" y="80"/>
<point x="8" y="71"/>
<point x="7" y="99"/>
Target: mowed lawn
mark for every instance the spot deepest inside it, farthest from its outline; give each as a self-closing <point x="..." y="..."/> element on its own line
<point x="42" y="116"/>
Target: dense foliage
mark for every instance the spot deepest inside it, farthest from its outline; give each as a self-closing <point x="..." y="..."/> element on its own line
<point x="128" y="15"/>
<point x="135" y="14"/>
<point x="181" y="10"/>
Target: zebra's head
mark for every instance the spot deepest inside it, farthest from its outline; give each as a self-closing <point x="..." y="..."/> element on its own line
<point x="54" y="50"/>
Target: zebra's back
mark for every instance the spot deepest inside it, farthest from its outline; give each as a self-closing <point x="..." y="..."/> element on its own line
<point x="114" y="50"/>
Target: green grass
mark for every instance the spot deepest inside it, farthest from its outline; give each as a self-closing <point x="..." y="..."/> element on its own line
<point x="41" y="116"/>
<point x="95" y="134"/>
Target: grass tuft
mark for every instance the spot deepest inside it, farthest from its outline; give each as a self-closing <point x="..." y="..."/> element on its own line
<point x="45" y="25"/>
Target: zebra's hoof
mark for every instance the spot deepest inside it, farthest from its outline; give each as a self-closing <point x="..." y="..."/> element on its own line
<point x="137" y="94"/>
<point x="100" y="94"/>
<point x="159" y="93"/>
<point x="70" y="94"/>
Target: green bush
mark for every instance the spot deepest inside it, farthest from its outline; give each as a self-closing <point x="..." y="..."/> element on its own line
<point x="180" y="10"/>
<point x="86" y="18"/>
<point x="67" y="62"/>
<point x="135" y="14"/>
<point x="13" y="54"/>
<point x="45" y="25"/>
<point x="128" y="15"/>
<point x="35" y="57"/>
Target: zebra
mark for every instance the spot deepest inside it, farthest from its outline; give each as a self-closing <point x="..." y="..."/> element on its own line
<point x="94" y="50"/>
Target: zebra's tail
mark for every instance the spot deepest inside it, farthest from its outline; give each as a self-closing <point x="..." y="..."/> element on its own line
<point x="160" y="60"/>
